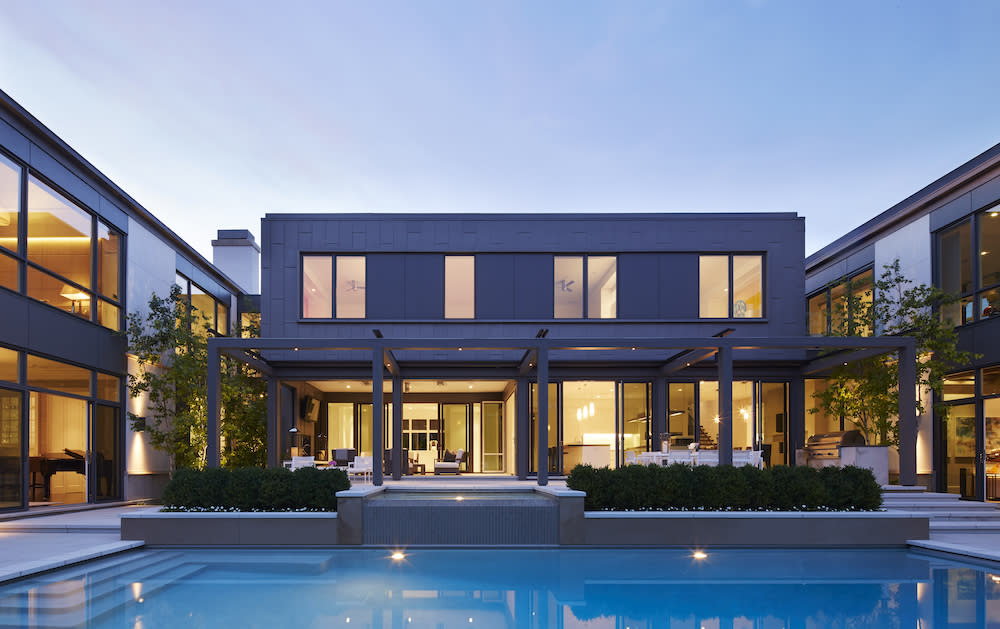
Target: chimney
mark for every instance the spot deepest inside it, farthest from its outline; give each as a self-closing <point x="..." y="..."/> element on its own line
<point x="237" y="254"/>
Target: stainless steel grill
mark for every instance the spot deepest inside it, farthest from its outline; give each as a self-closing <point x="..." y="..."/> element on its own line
<point x="822" y="450"/>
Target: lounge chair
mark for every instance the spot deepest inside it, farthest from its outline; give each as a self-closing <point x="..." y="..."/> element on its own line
<point x="449" y="467"/>
<point x="360" y="466"/>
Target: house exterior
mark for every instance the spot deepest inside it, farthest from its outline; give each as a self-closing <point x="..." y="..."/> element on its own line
<point x="946" y="234"/>
<point x="77" y="254"/>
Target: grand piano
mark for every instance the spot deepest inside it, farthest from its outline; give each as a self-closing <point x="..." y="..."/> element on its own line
<point x="43" y="467"/>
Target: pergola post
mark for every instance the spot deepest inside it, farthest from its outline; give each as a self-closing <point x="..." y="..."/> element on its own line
<point x="397" y="429"/>
<point x="542" y="418"/>
<point x="377" y="441"/>
<point x="907" y="415"/>
<point x="214" y="397"/>
<point x="725" y="358"/>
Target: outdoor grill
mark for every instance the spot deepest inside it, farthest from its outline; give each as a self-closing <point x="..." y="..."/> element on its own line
<point x="824" y="450"/>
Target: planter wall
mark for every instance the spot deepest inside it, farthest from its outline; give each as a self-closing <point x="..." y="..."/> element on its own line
<point x="231" y="529"/>
<point x="874" y="458"/>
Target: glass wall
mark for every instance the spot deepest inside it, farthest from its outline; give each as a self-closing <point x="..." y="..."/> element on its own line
<point x="10" y="202"/>
<point x="57" y="448"/>
<point x="971" y="273"/>
<point x="744" y="415"/>
<point x="317" y="282"/>
<point x="681" y="417"/>
<point x="210" y="314"/>
<point x="773" y="422"/>
<point x="819" y="313"/>
<point x="588" y="421"/>
<point x="459" y="287"/>
<point x="991" y="417"/>
<point x="635" y="417"/>
<point x="958" y="436"/>
<point x="554" y="453"/>
<point x="456" y="432"/>
<point x="106" y="446"/>
<point x="351" y="287"/>
<point x="11" y="482"/>
<point x="568" y="296"/>
<point x="816" y="421"/>
<point x="493" y="420"/>
<point x="840" y="309"/>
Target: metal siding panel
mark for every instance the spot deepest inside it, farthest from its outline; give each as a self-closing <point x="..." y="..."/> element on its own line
<point x="951" y="212"/>
<point x="12" y="140"/>
<point x="986" y="193"/>
<point x="14" y="307"/>
<point x="533" y="286"/>
<point x="385" y="284"/>
<point x="113" y="214"/>
<point x="424" y="297"/>
<point x="679" y="286"/>
<point x="639" y="285"/>
<point x="494" y="286"/>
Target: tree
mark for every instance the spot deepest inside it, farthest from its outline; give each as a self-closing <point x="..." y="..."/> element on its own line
<point x="866" y="391"/>
<point x="170" y="347"/>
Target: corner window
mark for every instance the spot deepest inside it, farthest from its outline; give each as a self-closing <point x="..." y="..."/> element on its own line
<point x="599" y="294"/>
<point x="971" y="273"/>
<point x="731" y="286"/>
<point x="459" y="287"/>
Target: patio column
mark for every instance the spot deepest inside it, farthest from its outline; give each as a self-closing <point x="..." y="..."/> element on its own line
<point x="907" y="415"/>
<point x="212" y="458"/>
<point x="273" y="438"/>
<point x="522" y="429"/>
<point x="725" y="358"/>
<point x="542" y="419"/>
<point x="660" y="413"/>
<point x="377" y="441"/>
<point x="397" y="429"/>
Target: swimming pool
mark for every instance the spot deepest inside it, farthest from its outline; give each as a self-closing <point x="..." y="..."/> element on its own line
<point x="612" y="588"/>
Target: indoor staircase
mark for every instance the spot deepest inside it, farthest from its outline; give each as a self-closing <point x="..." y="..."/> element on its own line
<point x="947" y="513"/>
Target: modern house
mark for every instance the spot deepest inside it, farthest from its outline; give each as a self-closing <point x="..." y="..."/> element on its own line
<point x="946" y="234"/>
<point x="76" y="255"/>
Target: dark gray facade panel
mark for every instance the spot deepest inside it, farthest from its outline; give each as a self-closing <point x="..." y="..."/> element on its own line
<point x="534" y="288"/>
<point x="982" y="338"/>
<point x="495" y="286"/>
<point x="64" y="337"/>
<point x="385" y="285"/>
<point x="113" y="214"/>
<point x="14" y="142"/>
<point x="986" y="194"/>
<point x="818" y="280"/>
<point x="951" y="212"/>
<point x="638" y="285"/>
<point x="678" y="286"/>
<point x="49" y="168"/>
<point x="424" y="296"/>
<point x="14" y="307"/>
<point x="860" y="259"/>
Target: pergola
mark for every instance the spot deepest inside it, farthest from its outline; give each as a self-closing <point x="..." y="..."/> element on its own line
<point x="678" y="353"/>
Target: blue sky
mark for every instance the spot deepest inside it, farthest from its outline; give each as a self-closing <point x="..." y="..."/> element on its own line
<point x="211" y="114"/>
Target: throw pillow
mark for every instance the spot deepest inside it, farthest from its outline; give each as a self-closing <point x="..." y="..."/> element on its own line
<point x="449" y="456"/>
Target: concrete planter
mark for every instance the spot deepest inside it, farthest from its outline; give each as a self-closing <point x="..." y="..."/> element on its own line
<point x="874" y="458"/>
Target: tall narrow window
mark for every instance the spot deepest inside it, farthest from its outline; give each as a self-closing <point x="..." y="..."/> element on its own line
<point x="350" y="287"/>
<point x="459" y="287"/>
<point x="713" y="286"/>
<point x="568" y="296"/>
<point x="108" y="256"/>
<point x="747" y="287"/>
<point x="317" y="284"/>
<point x="10" y="195"/>
<point x="602" y="287"/>
<point x="955" y="270"/>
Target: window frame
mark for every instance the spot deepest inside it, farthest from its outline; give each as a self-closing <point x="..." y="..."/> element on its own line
<point x="729" y="284"/>
<point x="977" y="290"/>
<point x="333" y="257"/>
<point x="585" y="283"/>
<point x="845" y="281"/>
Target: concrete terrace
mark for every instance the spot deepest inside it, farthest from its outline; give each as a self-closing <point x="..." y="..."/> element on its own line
<point x="32" y="543"/>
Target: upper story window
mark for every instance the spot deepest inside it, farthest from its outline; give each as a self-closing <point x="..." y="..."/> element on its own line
<point x="840" y="309"/>
<point x="597" y="299"/>
<point x="71" y="260"/>
<point x="321" y="297"/>
<point x="211" y="315"/>
<point x="459" y="287"/>
<point x="971" y="273"/>
<point x="731" y="286"/>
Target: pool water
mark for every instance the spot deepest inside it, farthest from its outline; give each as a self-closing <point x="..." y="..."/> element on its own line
<point x="612" y="588"/>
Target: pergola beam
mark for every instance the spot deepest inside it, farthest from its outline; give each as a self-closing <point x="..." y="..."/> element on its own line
<point x="825" y="363"/>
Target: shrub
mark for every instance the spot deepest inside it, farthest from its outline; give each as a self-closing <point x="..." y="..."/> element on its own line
<point x="681" y="487"/>
<point x="254" y="489"/>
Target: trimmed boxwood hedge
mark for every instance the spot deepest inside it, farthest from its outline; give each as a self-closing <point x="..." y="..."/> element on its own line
<point x="726" y="488"/>
<point x="254" y="489"/>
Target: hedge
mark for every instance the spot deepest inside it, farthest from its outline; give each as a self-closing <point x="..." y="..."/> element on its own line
<point x="726" y="488"/>
<point x="254" y="489"/>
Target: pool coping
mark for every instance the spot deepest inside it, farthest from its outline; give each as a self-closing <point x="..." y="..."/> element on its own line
<point x="32" y="568"/>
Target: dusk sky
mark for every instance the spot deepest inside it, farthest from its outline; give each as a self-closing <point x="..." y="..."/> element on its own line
<point x="212" y="114"/>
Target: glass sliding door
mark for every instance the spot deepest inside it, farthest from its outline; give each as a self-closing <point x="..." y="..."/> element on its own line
<point x="635" y="416"/>
<point x="456" y="433"/>
<point x="107" y="453"/>
<point x="554" y="425"/>
<point x="681" y="416"/>
<point x="11" y="481"/>
<point x="492" y="418"/>
<point x="991" y="417"/>
<point x="57" y="449"/>
<point x="773" y="422"/>
<point x="958" y="434"/>
<point x="588" y="419"/>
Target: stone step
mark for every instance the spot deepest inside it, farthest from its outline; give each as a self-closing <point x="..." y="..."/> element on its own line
<point x="964" y="526"/>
